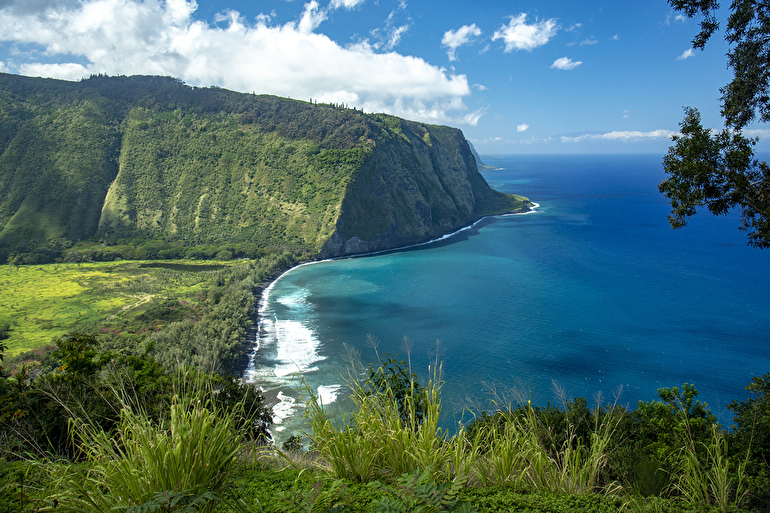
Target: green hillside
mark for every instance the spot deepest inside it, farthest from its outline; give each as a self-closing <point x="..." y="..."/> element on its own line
<point x="120" y="161"/>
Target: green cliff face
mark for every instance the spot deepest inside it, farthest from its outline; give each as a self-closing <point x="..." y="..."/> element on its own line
<point x="134" y="158"/>
<point x="420" y="182"/>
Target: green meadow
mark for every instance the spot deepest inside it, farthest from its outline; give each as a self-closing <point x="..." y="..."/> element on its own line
<point x="42" y="302"/>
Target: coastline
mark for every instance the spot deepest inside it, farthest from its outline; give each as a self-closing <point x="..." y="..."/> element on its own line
<point x="284" y="405"/>
<point x="265" y="286"/>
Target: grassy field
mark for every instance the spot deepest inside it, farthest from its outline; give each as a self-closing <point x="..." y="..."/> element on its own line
<point x="41" y="302"/>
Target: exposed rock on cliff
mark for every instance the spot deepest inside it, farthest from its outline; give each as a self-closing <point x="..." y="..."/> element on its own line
<point x="417" y="185"/>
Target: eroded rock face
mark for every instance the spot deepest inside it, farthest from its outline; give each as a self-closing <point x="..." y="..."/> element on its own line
<point x="412" y="189"/>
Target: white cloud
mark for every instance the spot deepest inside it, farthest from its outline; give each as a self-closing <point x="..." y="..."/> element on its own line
<point x="311" y="18"/>
<point x="615" y="38"/>
<point x="686" y="54"/>
<point x="389" y="36"/>
<point x="588" y="42"/>
<point x="473" y="118"/>
<point x="455" y="38"/>
<point x="160" y="37"/>
<point x="626" y="114"/>
<point x="347" y="4"/>
<point x="574" y="27"/>
<point x="678" y="17"/>
<point x="565" y="63"/>
<point x="517" y="35"/>
<point x="65" y="71"/>
<point x="762" y="133"/>
<point x="3" y="67"/>
<point x="620" y="136"/>
<point x="479" y="87"/>
<point x="522" y="127"/>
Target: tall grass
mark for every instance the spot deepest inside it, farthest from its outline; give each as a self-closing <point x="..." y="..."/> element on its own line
<point x="517" y="455"/>
<point x="184" y="460"/>
<point x="380" y="441"/>
<point x="374" y="441"/>
<point x="706" y="475"/>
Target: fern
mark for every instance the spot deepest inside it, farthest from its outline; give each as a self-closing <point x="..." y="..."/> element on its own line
<point x="417" y="492"/>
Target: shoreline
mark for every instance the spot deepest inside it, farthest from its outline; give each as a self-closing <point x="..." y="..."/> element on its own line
<point x="262" y="292"/>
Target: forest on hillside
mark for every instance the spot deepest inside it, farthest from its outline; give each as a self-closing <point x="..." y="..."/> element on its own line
<point x="148" y="167"/>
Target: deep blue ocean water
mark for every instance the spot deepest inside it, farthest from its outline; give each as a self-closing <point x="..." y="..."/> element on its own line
<point x="593" y="292"/>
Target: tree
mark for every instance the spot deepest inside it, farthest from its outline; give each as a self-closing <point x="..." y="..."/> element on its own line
<point x="751" y="434"/>
<point x="717" y="170"/>
<point x="397" y="379"/>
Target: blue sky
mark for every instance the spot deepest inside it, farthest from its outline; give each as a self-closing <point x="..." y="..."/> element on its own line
<point x="517" y="77"/>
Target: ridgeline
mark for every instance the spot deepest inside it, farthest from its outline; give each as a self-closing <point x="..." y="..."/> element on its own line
<point x="146" y="167"/>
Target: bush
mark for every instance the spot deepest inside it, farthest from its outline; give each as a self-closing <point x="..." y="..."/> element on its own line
<point x="182" y="461"/>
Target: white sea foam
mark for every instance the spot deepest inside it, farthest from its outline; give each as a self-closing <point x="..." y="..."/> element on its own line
<point x="285" y="408"/>
<point x="533" y="210"/>
<point x="296" y="300"/>
<point x="296" y="348"/>
<point x="327" y="394"/>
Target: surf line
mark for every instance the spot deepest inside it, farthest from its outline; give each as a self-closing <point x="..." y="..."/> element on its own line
<point x="267" y="290"/>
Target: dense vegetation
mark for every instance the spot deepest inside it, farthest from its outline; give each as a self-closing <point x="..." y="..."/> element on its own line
<point x="104" y="431"/>
<point x="146" y="167"/>
<point x="182" y="313"/>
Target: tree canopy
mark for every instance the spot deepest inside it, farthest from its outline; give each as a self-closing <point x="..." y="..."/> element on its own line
<point x="717" y="169"/>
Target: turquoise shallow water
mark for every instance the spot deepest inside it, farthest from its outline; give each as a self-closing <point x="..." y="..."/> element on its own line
<point x="593" y="292"/>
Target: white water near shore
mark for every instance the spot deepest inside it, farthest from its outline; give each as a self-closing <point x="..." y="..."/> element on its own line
<point x="287" y="352"/>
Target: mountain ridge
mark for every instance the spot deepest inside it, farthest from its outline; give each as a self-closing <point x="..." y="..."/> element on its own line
<point x="111" y="161"/>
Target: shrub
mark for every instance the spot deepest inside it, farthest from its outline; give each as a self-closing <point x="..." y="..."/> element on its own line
<point x="181" y="461"/>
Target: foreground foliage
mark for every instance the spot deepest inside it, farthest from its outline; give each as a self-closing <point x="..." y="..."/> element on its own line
<point x="189" y="456"/>
<point x="717" y="170"/>
<point x="104" y="432"/>
<point x="671" y="448"/>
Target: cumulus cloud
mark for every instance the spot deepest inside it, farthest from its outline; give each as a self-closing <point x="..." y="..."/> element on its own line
<point x="347" y="4"/>
<point x="479" y="87"/>
<point x="620" y="136"/>
<point x="455" y="38"/>
<point x="686" y="54"/>
<point x="517" y="35"/>
<point x="522" y="127"/>
<point x="160" y="37"/>
<point x="565" y="63"/>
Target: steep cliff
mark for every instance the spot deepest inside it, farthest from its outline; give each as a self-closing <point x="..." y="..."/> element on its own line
<point x="419" y="183"/>
<point x="122" y="160"/>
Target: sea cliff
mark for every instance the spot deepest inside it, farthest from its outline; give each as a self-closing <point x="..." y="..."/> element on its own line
<point x="114" y="161"/>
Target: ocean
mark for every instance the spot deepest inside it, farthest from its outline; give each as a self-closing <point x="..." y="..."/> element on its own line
<point x="591" y="295"/>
